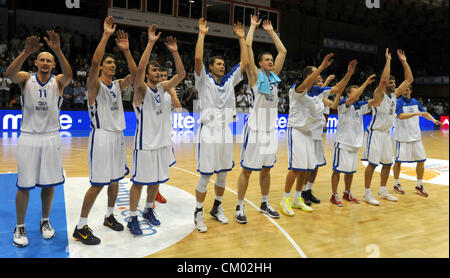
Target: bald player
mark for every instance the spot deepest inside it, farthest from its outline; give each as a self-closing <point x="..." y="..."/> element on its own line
<point x="39" y="156"/>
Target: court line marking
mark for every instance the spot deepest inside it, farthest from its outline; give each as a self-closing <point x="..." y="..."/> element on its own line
<point x="288" y="237"/>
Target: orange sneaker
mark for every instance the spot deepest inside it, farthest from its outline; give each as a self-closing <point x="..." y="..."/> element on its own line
<point x="160" y="198"/>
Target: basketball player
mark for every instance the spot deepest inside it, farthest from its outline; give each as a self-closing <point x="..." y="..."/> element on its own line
<point x="171" y="99"/>
<point x="319" y="96"/>
<point x="377" y="145"/>
<point x="107" y="157"/>
<point x="153" y="154"/>
<point x="214" y="151"/>
<point x="39" y="156"/>
<point x="408" y="139"/>
<point x="260" y="139"/>
<point x="300" y="145"/>
<point x="349" y="138"/>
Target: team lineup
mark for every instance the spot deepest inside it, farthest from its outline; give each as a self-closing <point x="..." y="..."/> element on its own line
<point x="39" y="155"/>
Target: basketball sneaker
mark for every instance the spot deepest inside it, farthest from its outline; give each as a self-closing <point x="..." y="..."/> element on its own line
<point x="384" y="194"/>
<point x="112" y="223"/>
<point x="286" y="206"/>
<point x="150" y="217"/>
<point x="240" y="215"/>
<point x="198" y="221"/>
<point x="268" y="210"/>
<point x="312" y="198"/>
<point x="217" y="213"/>
<point x="349" y="197"/>
<point x="300" y="204"/>
<point x="421" y="191"/>
<point x="134" y="227"/>
<point x="47" y="231"/>
<point x="160" y="198"/>
<point x="20" y="236"/>
<point x="370" y="199"/>
<point x="398" y="189"/>
<point x="305" y="197"/>
<point x="335" y="200"/>
<point x="85" y="235"/>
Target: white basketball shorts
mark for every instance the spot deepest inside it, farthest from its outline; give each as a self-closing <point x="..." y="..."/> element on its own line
<point x="258" y="149"/>
<point x="214" y="149"/>
<point x="151" y="167"/>
<point x="107" y="157"/>
<point x="301" y="153"/>
<point x="409" y="151"/>
<point x="377" y="148"/>
<point x="39" y="160"/>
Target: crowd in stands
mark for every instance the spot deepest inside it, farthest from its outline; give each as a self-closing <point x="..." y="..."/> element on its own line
<point x="79" y="49"/>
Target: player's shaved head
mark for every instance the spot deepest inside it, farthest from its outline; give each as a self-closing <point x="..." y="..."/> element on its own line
<point x="46" y="54"/>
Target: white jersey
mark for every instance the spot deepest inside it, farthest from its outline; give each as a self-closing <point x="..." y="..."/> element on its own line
<point x="264" y="112"/>
<point x="107" y="112"/>
<point x="299" y="116"/>
<point x="154" y="125"/>
<point x="350" y="130"/>
<point x="217" y="100"/>
<point x="383" y="115"/>
<point x="41" y="104"/>
<point x="317" y="108"/>
<point x="407" y="130"/>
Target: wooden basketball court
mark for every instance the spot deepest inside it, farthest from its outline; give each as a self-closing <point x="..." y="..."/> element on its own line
<point x="413" y="227"/>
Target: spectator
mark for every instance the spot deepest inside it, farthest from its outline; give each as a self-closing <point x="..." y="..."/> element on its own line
<point x="67" y="96"/>
<point x="5" y="84"/>
<point x="241" y="102"/>
<point x="79" y="93"/>
<point x="127" y="97"/>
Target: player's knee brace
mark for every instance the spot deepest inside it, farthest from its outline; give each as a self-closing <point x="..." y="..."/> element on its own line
<point x="203" y="183"/>
<point x="221" y="179"/>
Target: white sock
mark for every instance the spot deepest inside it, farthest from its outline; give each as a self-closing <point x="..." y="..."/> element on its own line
<point x="82" y="223"/>
<point x="43" y="219"/>
<point x="419" y="182"/>
<point x="297" y="194"/>
<point x="109" y="211"/>
<point x="241" y="203"/>
<point x="131" y="214"/>
<point x="368" y="191"/>
<point x="199" y="205"/>
<point x="149" y="205"/>
<point x="218" y="198"/>
<point x="396" y="181"/>
<point x="286" y="195"/>
<point x="383" y="189"/>
<point x="309" y="185"/>
<point x="264" y="198"/>
<point x="304" y="188"/>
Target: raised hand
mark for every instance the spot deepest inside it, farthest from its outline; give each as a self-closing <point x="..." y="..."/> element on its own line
<point x="267" y="25"/>
<point x="53" y="40"/>
<point x="171" y="44"/>
<point x="352" y="66"/>
<point x="202" y="27"/>
<point x="327" y="61"/>
<point x="370" y="79"/>
<point x="152" y="37"/>
<point x="254" y="20"/>
<point x="32" y="44"/>
<point x="330" y="78"/>
<point x="388" y="55"/>
<point x="108" y="26"/>
<point x="401" y="55"/>
<point x="239" y="30"/>
<point x="122" y="40"/>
